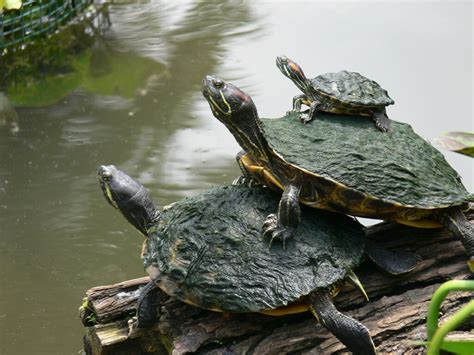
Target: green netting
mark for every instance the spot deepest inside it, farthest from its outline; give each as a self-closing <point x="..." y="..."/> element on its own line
<point x="35" y="19"/>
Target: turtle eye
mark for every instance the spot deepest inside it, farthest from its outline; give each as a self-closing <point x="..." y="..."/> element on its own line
<point x="106" y="176"/>
<point x="218" y="83"/>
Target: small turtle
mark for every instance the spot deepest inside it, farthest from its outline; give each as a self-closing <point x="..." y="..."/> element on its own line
<point x="343" y="165"/>
<point x="207" y="251"/>
<point x="343" y="92"/>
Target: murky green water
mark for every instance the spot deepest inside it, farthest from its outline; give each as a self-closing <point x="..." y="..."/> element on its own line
<point x="58" y="237"/>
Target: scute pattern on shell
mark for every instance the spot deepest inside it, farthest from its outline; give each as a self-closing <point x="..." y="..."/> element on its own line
<point x="396" y="166"/>
<point x="352" y="88"/>
<point x="210" y="247"/>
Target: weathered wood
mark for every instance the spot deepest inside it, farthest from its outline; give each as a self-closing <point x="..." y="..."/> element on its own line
<point x="396" y="315"/>
<point x="113" y="302"/>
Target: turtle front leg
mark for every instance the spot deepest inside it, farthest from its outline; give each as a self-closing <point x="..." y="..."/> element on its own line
<point x="147" y="308"/>
<point x="298" y="100"/>
<point x="314" y="106"/>
<point x="381" y="120"/>
<point x="354" y="335"/>
<point x="246" y="178"/>
<point x="282" y="226"/>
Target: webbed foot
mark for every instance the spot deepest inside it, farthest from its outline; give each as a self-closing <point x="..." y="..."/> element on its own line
<point x="147" y="307"/>
<point x="291" y="112"/>
<point x="381" y="120"/>
<point x="132" y="325"/>
<point x="246" y="181"/>
<point x="382" y="124"/>
<point x="271" y="228"/>
<point x="353" y="334"/>
<point x="305" y="118"/>
<point x="309" y="115"/>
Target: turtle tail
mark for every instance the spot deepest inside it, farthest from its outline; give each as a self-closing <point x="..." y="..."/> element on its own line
<point x="354" y="335"/>
<point x="457" y="223"/>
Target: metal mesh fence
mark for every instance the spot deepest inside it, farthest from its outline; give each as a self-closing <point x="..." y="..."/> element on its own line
<point x="36" y="19"/>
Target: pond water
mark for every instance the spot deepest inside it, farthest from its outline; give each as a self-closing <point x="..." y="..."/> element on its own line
<point x="58" y="236"/>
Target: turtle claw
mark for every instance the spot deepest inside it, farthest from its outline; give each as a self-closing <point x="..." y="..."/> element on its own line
<point x="239" y="180"/>
<point x="381" y="127"/>
<point x="290" y="112"/>
<point x="271" y="228"/>
<point x="246" y="181"/>
<point x="271" y="220"/>
<point x="305" y="118"/>
<point x="132" y="325"/>
<point x="381" y="121"/>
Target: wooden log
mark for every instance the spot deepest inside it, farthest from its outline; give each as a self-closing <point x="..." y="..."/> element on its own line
<point x="396" y="315"/>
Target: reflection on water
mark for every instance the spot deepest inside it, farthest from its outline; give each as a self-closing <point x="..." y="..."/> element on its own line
<point x="58" y="236"/>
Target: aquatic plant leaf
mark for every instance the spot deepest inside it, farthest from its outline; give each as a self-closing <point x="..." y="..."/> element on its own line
<point x="459" y="346"/>
<point x="459" y="142"/>
<point x="51" y="88"/>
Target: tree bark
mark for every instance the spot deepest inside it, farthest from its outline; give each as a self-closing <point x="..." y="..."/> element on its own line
<point x="395" y="315"/>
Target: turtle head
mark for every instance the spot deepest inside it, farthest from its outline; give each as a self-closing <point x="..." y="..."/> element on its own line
<point x="292" y="70"/>
<point x="228" y="103"/>
<point x="129" y="197"/>
<point x="236" y="110"/>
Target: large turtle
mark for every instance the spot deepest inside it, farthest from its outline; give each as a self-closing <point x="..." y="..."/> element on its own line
<point x="207" y="251"/>
<point x="341" y="164"/>
<point x="343" y="92"/>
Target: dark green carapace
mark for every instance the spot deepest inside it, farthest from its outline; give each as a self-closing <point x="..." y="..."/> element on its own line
<point x="210" y="251"/>
<point x="397" y="166"/>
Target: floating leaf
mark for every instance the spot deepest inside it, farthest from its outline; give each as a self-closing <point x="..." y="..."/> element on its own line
<point x="459" y="142"/>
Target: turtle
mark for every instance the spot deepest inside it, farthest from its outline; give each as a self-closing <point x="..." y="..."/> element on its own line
<point x="341" y="164"/>
<point x="207" y="251"/>
<point x="343" y="92"/>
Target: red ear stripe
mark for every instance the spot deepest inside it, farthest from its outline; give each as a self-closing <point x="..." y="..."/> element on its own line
<point x="241" y="95"/>
<point x="295" y="67"/>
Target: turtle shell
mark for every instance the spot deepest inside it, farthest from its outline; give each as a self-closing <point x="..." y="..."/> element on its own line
<point x="352" y="88"/>
<point x="398" y="166"/>
<point x="208" y="251"/>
